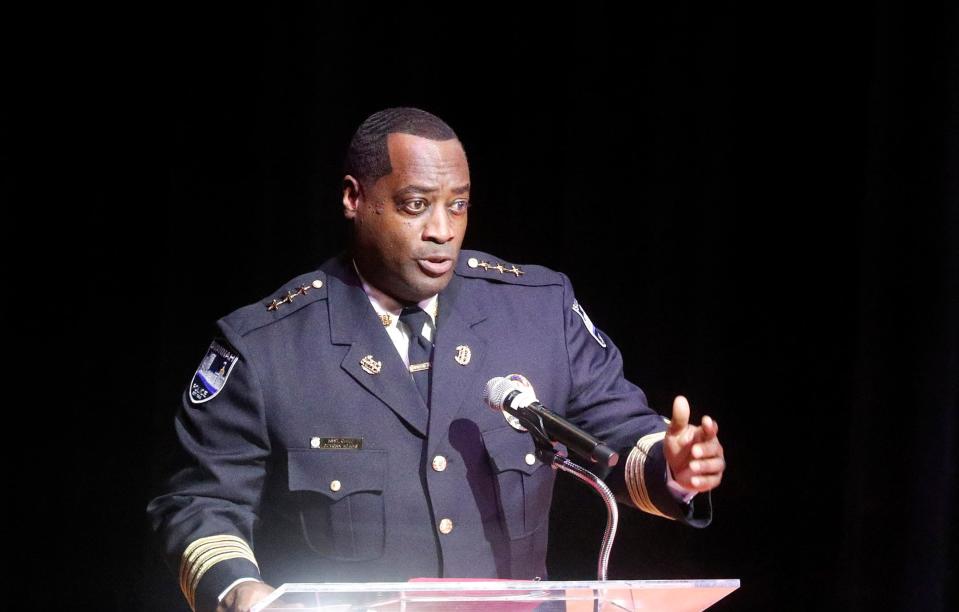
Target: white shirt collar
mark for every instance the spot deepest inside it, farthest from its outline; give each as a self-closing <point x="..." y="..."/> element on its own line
<point x="386" y="305"/>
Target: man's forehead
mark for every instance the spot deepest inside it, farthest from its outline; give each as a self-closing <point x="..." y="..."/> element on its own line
<point x="407" y="149"/>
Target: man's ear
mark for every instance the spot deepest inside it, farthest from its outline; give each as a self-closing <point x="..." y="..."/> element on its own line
<point x="352" y="192"/>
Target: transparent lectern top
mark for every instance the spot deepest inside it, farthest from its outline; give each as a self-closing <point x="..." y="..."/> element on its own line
<point x="500" y="596"/>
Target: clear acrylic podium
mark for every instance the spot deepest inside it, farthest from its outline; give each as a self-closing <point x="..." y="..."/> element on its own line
<point x="500" y="596"/>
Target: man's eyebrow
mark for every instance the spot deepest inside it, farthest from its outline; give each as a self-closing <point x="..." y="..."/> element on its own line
<point x="414" y="189"/>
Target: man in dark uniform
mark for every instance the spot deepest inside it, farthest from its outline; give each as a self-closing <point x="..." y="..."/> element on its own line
<point x="337" y="431"/>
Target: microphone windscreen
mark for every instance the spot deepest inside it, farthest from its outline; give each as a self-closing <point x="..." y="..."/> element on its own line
<point x="496" y="391"/>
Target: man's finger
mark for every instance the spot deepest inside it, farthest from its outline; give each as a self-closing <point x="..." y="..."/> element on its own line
<point x="707" y="448"/>
<point x="710" y="427"/>
<point x="714" y="465"/>
<point x="680" y="417"/>
<point x="705" y="483"/>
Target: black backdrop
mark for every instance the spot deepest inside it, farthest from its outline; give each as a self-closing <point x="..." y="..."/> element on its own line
<point x="758" y="203"/>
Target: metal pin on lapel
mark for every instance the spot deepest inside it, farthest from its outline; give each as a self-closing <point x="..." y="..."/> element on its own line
<point x="371" y="365"/>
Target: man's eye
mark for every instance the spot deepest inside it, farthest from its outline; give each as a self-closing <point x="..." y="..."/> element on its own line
<point x="459" y="206"/>
<point x="415" y="206"/>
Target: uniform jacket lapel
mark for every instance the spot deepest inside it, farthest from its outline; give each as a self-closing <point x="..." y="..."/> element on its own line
<point x="353" y="322"/>
<point x="453" y="383"/>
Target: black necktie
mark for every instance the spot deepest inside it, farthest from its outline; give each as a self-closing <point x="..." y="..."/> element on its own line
<point x="421" y="349"/>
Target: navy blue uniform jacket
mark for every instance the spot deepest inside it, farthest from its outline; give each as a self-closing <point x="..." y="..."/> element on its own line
<point x="257" y="494"/>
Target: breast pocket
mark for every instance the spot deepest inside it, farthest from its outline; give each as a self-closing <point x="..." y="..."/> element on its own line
<point x="339" y="496"/>
<point x="524" y="485"/>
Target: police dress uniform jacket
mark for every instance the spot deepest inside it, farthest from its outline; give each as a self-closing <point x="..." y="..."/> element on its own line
<point x="312" y="457"/>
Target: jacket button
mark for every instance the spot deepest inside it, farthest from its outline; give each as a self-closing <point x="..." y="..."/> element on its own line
<point x="446" y="526"/>
<point x="530" y="458"/>
<point x="439" y="463"/>
<point x="335" y="486"/>
<point x="317" y="284"/>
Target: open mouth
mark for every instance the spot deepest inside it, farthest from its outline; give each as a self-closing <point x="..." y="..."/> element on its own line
<point x="435" y="266"/>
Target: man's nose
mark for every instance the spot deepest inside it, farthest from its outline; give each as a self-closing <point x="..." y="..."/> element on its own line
<point x="438" y="227"/>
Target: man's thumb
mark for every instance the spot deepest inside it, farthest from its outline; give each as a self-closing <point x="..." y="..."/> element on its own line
<point x="680" y="417"/>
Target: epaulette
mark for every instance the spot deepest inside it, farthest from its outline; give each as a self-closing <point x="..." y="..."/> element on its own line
<point x="476" y="264"/>
<point x="294" y="295"/>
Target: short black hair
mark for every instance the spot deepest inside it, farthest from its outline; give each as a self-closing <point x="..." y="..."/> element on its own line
<point x="368" y="156"/>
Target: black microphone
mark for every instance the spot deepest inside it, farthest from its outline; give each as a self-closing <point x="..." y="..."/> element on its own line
<point x="513" y="399"/>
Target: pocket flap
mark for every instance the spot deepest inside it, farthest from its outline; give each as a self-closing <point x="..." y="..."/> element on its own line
<point x="508" y="450"/>
<point x="337" y="473"/>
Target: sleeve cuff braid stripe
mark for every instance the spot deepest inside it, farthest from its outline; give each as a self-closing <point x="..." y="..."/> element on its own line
<point x="636" y="473"/>
<point x="199" y="551"/>
<point x="206" y="552"/>
<point x="203" y="562"/>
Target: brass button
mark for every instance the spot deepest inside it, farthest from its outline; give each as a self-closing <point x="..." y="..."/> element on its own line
<point x="314" y="442"/>
<point x="317" y="284"/>
<point x="472" y="262"/>
<point x="446" y="526"/>
<point x="530" y="458"/>
<point x="439" y="463"/>
<point x="335" y="486"/>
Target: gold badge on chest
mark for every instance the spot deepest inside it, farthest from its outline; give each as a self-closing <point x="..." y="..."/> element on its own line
<point x="463" y="354"/>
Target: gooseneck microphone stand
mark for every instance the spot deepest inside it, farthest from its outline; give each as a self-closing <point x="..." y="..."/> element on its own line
<point x="547" y="452"/>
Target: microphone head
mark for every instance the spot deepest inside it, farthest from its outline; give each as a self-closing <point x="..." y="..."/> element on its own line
<point x="500" y="388"/>
<point x="496" y="391"/>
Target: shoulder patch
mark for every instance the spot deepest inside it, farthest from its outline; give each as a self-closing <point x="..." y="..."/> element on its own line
<point x="589" y="324"/>
<point x="214" y="370"/>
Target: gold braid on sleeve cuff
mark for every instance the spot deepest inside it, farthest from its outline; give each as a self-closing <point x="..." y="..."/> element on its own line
<point x="203" y="554"/>
<point x="636" y="473"/>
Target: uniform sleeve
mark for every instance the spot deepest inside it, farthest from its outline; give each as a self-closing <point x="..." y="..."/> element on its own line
<point x="205" y="513"/>
<point x="615" y="410"/>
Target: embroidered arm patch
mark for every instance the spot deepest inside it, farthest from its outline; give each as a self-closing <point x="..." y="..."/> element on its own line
<point x="211" y="376"/>
<point x="589" y="324"/>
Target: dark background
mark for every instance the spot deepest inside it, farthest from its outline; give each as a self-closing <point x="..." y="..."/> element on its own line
<point x="758" y="203"/>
